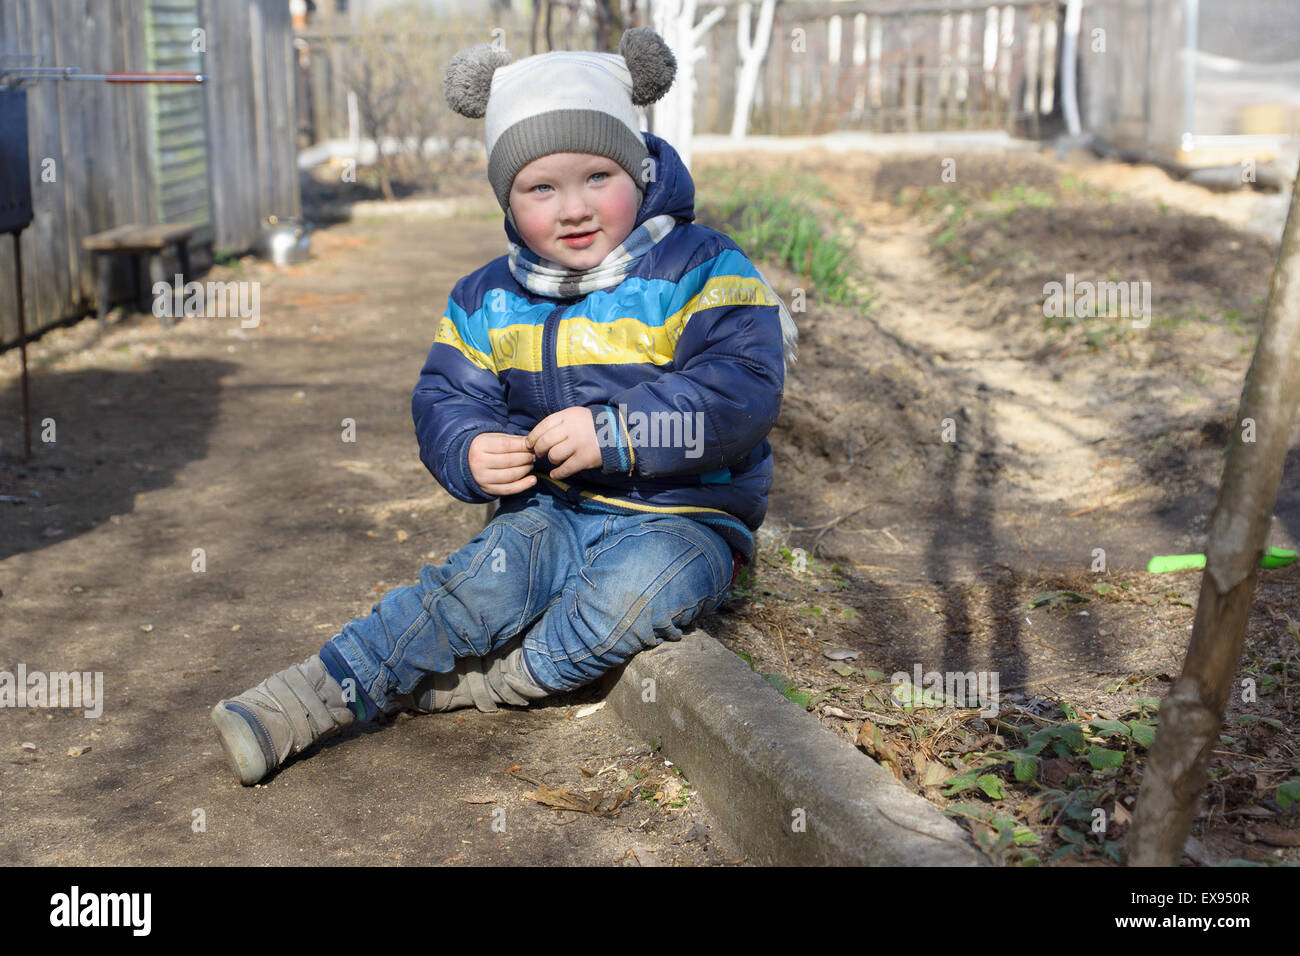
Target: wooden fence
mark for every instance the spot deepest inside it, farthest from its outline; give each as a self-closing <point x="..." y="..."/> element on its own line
<point x="871" y="66"/>
<point x="885" y="68"/>
<point x="324" y="69"/>
<point x="101" y="155"/>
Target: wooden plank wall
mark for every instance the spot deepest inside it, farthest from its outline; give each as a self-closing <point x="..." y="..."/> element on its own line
<point x="98" y="138"/>
<point x="252" y="117"/>
<point x="1135" y="89"/>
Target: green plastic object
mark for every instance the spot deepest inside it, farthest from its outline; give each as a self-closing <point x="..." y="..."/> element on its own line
<point x="1272" y="558"/>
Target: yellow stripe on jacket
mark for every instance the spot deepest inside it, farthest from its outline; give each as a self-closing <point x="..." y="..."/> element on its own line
<point x="583" y="341"/>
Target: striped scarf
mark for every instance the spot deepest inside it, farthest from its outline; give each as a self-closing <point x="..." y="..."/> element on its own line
<point x="555" y="281"/>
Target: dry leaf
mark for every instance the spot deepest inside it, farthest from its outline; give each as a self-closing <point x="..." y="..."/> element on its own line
<point x="930" y="773"/>
<point x="1055" y="770"/>
<point x="871" y="739"/>
<point x="624" y="796"/>
<point x="563" y="799"/>
<point x="1274" y="835"/>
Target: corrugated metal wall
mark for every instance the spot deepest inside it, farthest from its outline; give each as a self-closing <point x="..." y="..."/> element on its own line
<point x="94" y="141"/>
<point x="174" y="43"/>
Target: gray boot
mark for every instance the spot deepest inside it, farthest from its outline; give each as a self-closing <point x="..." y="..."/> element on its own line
<point x="482" y="682"/>
<point x="262" y="727"/>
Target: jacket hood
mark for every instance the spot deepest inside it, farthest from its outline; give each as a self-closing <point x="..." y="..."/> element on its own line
<point x="670" y="192"/>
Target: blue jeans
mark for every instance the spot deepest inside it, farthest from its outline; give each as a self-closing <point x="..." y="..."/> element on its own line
<point x="588" y="590"/>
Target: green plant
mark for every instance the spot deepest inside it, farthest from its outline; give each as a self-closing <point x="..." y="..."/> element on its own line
<point x="790" y="690"/>
<point x="1288" y="793"/>
<point x="744" y="587"/>
<point x="765" y="220"/>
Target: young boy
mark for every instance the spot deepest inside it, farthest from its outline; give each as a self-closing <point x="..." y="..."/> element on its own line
<point x="611" y="381"/>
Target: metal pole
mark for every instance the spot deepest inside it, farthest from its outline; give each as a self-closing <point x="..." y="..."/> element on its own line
<point x="74" y="73"/>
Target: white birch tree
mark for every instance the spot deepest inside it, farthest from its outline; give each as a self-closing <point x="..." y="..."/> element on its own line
<point x="673" y="118"/>
<point x="752" y="52"/>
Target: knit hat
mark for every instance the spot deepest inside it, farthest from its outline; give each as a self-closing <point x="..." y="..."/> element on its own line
<point x="561" y="102"/>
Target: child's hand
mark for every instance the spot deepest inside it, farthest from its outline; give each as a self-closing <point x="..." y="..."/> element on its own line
<point x="569" y="437"/>
<point x="501" y="463"/>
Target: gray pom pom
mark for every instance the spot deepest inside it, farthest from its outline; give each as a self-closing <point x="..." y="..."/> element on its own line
<point x="469" y="78"/>
<point x="651" y="63"/>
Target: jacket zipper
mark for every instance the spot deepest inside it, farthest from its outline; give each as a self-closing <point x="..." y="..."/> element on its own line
<point x="550" y="365"/>
<point x="551" y="393"/>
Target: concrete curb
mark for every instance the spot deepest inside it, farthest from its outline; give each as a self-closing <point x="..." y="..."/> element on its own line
<point x="758" y="760"/>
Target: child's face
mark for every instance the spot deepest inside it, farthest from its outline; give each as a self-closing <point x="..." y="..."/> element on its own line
<point x="566" y="194"/>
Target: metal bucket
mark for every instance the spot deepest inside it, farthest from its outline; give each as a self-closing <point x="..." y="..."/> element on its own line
<point x="284" y="241"/>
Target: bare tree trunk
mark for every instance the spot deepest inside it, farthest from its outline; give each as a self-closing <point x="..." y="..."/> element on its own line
<point x="673" y="117"/>
<point x="1190" y="716"/>
<point x="752" y="52"/>
<point x="609" y="25"/>
<point x="601" y="18"/>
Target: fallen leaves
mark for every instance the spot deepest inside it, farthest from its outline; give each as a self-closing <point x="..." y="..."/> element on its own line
<point x="874" y="743"/>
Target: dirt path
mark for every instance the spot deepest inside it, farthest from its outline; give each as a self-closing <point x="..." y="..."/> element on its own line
<point x="1078" y="445"/>
<point x="1031" y="413"/>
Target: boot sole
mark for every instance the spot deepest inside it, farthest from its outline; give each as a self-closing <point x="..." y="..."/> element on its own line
<point x="243" y="752"/>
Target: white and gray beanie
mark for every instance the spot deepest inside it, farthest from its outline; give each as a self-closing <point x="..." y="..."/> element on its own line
<point x="561" y="102"/>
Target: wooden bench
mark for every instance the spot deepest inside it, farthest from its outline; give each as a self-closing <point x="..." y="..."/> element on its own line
<point x="134" y="241"/>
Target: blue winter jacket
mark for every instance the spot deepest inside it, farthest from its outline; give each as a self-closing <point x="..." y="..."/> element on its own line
<point x="681" y="364"/>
